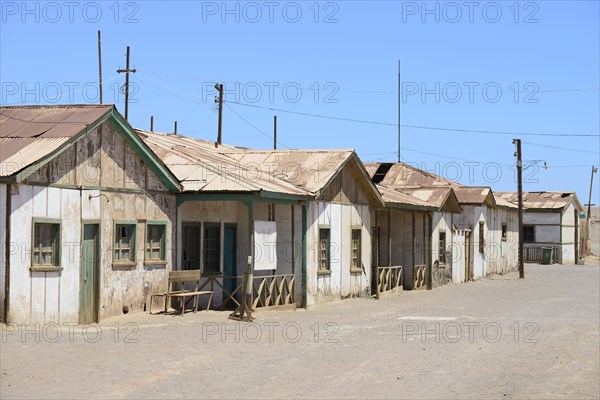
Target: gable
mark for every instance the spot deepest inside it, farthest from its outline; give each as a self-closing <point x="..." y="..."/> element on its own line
<point x="350" y="186"/>
<point x="100" y="158"/>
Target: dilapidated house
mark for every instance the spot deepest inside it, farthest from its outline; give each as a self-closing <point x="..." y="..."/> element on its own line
<point x="87" y="213"/>
<point x="317" y="203"/>
<point x="550" y="219"/>
<point x="479" y="234"/>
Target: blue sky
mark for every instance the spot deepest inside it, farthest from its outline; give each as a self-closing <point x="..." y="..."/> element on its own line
<point x="514" y="67"/>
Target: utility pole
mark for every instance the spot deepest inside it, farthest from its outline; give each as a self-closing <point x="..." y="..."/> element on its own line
<point x="520" y="198"/>
<point x="100" y="67"/>
<point x="399" y="101"/>
<point x="594" y="169"/>
<point x="126" y="71"/>
<point x="219" y="88"/>
<point x="152" y="123"/>
<point x="275" y="132"/>
<point x="175" y="128"/>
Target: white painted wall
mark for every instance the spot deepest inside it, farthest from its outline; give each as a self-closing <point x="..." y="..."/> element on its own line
<point x="340" y="282"/>
<point x="235" y="212"/>
<point x="568" y="233"/>
<point x="3" y="245"/>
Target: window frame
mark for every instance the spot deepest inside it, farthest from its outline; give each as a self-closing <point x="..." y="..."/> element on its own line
<point x="504" y="232"/>
<point x="358" y="267"/>
<point x="195" y="225"/>
<point x="327" y="270"/>
<point x="442" y="247"/>
<point x="132" y="247"/>
<point x="56" y="248"/>
<point x="163" y="243"/>
<point x="205" y="226"/>
<point x="532" y="233"/>
<point x="481" y="236"/>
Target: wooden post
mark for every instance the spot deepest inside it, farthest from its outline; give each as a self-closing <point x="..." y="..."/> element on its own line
<point x="414" y="243"/>
<point x="389" y="223"/>
<point x="275" y="132"/>
<point x="245" y="306"/>
<point x="100" y="67"/>
<point x="520" y="198"/>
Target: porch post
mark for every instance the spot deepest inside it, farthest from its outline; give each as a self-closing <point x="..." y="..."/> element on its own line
<point x="414" y="241"/>
<point x="304" y="254"/>
<point x="389" y="223"/>
<point x="245" y="306"/>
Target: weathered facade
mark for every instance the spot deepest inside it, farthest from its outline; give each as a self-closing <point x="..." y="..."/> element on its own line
<point x="550" y="219"/>
<point x="320" y="202"/>
<point x="66" y="209"/>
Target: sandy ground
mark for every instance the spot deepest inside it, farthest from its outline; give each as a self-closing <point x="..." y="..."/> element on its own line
<point x="495" y="338"/>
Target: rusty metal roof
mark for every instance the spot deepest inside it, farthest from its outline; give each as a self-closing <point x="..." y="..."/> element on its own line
<point x="475" y="195"/>
<point x="432" y="195"/>
<point x="311" y="170"/>
<point x="393" y="196"/>
<point x="30" y="133"/>
<point x="542" y="200"/>
<point x="201" y="167"/>
<point x="402" y="174"/>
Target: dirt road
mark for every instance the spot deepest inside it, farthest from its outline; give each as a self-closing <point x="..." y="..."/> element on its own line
<point x="495" y="338"/>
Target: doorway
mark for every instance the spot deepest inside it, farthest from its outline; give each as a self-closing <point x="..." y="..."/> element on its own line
<point x="89" y="275"/>
<point x="230" y="258"/>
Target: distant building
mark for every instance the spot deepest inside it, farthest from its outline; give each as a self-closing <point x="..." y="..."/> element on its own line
<point x="550" y="219"/>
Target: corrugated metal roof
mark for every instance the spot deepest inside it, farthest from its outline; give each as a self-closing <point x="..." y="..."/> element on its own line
<point x="308" y="169"/>
<point x="432" y="195"/>
<point x="402" y="174"/>
<point x="394" y="196"/>
<point x="474" y="195"/>
<point x="30" y="133"/>
<point x="200" y="167"/>
<point x="541" y="200"/>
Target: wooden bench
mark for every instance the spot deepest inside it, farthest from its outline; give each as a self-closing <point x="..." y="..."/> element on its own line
<point x="183" y="277"/>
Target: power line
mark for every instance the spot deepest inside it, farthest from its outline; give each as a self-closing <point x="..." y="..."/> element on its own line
<point x="561" y="148"/>
<point x="412" y="126"/>
<point x="253" y="126"/>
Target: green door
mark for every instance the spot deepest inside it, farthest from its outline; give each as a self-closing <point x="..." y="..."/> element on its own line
<point x="89" y="279"/>
<point x="229" y="258"/>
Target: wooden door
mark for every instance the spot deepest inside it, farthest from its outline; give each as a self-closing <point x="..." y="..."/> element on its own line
<point x="89" y="276"/>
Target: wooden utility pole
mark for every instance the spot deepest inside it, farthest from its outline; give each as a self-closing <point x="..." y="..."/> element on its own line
<point x="520" y="199"/>
<point x="275" y="132"/>
<point x="219" y="88"/>
<point x="587" y="237"/>
<point x="594" y="169"/>
<point x="100" y="67"/>
<point x="399" y="101"/>
<point x="126" y="71"/>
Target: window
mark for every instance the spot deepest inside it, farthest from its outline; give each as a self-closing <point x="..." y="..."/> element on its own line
<point x="356" y="250"/>
<point x="124" y="250"/>
<point x="481" y="237"/>
<point x="155" y="242"/>
<point x="324" y="253"/>
<point x="191" y="247"/>
<point x="46" y="244"/>
<point x="212" y="248"/>
<point x="503" y="231"/>
<point x="442" y="248"/>
<point x="528" y="233"/>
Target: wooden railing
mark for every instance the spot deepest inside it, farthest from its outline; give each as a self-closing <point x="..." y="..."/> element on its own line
<point x="419" y="272"/>
<point x="269" y="290"/>
<point x="215" y="281"/>
<point x="388" y="278"/>
<point x="535" y="253"/>
<point x="273" y="290"/>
